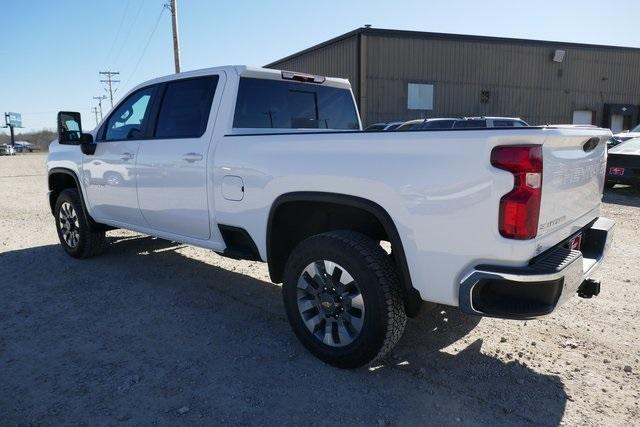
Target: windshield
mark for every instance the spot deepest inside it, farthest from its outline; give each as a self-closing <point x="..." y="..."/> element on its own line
<point x="437" y="124"/>
<point x="635" y="129"/>
<point x="409" y="125"/>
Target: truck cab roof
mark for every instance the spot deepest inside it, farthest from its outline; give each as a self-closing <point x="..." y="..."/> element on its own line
<point x="251" y="72"/>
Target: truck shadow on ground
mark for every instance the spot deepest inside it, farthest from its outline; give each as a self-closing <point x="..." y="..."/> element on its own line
<point x="622" y="195"/>
<point x="145" y="334"/>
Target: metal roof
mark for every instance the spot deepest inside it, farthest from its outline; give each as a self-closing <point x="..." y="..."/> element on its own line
<point x="451" y="37"/>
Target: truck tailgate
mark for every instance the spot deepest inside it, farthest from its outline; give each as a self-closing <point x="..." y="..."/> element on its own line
<point x="574" y="166"/>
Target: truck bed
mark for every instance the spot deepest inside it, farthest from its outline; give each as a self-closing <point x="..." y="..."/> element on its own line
<point x="438" y="186"/>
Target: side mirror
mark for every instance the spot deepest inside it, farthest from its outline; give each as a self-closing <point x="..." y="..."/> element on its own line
<point x="69" y="128"/>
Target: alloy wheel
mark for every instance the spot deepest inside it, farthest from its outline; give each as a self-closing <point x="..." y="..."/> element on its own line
<point x="69" y="224"/>
<point x="330" y="303"/>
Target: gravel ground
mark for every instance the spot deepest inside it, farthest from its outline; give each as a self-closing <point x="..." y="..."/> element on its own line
<point x="159" y="332"/>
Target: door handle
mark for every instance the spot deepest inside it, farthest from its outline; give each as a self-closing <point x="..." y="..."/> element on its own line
<point x="192" y="157"/>
<point x="126" y="156"/>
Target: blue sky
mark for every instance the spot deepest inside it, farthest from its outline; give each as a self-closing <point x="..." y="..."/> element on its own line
<point x="52" y="50"/>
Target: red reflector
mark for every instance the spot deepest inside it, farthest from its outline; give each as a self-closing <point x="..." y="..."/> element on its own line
<point x="520" y="208"/>
<point x="576" y="242"/>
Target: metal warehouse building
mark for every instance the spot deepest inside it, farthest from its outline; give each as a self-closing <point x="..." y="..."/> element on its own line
<point x="400" y="75"/>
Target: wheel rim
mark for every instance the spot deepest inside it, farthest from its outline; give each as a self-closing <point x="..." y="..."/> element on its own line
<point x="330" y="303"/>
<point x="69" y="224"/>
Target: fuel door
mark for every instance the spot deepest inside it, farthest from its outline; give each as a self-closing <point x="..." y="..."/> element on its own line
<point x="232" y="187"/>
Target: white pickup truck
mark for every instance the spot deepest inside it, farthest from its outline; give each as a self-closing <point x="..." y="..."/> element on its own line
<point x="273" y="166"/>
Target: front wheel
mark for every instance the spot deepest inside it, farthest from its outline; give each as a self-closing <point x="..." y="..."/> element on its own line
<point x="77" y="236"/>
<point x="343" y="298"/>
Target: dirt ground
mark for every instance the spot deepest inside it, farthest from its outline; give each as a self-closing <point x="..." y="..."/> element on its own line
<point x="159" y="332"/>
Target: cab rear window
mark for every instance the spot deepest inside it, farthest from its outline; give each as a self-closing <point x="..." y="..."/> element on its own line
<point x="278" y="104"/>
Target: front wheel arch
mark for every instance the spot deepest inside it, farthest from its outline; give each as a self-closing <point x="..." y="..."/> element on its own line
<point x="61" y="179"/>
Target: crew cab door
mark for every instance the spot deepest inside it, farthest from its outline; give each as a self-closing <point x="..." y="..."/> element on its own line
<point x="172" y="165"/>
<point x="110" y="173"/>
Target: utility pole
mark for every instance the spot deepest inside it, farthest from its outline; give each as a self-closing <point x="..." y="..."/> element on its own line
<point x="99" y="99"/>
<point x="109" y="81"/>
<point x="174" y="25"/>
<point x="95" y="111"/>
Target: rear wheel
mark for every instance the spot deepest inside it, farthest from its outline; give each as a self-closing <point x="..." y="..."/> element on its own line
<point x="343" y="299"/>
<point x="77" y="236"/>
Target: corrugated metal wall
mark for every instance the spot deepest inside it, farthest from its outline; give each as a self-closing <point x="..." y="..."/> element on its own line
<point x="521" y="78"/>
<point x="339" y="59"/>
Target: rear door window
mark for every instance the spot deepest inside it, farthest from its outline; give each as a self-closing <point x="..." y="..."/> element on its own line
<point x="185" y="108"/>
<point x="264" y="103"/>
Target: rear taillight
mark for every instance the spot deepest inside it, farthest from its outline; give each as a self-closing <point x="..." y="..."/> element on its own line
<point x="520" y="208"/>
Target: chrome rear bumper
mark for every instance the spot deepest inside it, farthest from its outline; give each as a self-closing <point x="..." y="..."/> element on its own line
<point x="538" y="288"/>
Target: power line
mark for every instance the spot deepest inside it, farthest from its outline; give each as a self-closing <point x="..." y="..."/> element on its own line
<point x="144" y="50"/>
<point x="126" y="37"/>
<point x="109" y="81"/>
<point x="115" y="39"/>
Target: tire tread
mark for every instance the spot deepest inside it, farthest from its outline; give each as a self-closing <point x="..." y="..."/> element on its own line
<point x="378" y="261"/>
<point x="390" y="316"/>
<point x="93" y="241"/>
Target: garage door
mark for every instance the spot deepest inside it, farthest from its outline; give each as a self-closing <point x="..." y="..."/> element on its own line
<point x="617" y="123"/>
<point x="582" y="117"/>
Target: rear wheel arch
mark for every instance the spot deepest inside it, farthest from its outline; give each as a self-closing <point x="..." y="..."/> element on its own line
<point x="296" y="216"/>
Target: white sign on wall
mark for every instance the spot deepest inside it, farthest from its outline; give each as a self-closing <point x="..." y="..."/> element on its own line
<point x="420" y="96"/>
<point x="582" y="117"/>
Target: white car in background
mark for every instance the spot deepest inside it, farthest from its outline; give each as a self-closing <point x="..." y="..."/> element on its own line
<point x="23" y="147"/>
<point x="7" y="150"/>
<point x="463" y="123"/>
<point x="624" y="136"/>
<point x="380" y="127"/>
<point x="439" y="123"/>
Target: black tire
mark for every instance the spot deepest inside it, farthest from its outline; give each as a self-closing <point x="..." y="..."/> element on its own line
<point x="90" y="242"/>
<point x="609" y="185"/>
<point x="369" y="265"/>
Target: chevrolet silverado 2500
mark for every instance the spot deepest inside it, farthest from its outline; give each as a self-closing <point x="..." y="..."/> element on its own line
<point x="273" y="166"/>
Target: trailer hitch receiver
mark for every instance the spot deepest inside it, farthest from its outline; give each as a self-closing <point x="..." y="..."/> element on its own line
<point x="589" y="288"/>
